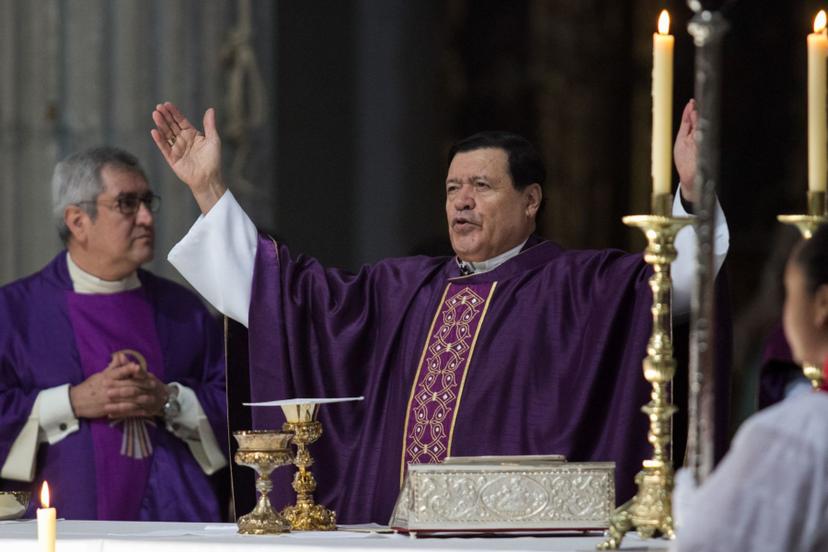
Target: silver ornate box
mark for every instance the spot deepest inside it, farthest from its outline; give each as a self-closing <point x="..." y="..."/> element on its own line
<point x="506" y="493"/>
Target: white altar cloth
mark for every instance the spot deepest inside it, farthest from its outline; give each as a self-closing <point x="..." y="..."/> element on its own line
<point x="118" y="536"/>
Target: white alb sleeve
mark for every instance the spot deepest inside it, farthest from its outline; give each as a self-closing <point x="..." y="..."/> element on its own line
<point x="217" y="257"/>
<point x="51" y="420"/>
<point x="683" y="268"/>
<point x="192" y="427"/>
<point x="57" y="419"/>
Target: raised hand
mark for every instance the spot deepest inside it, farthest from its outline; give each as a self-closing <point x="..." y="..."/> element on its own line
<point x="194" y="157"/>
<point x="685" y="151"/>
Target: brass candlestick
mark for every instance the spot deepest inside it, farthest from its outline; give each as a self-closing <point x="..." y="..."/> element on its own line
<point x="263" y="451"/>
<point x="807" y="225"/>
<point x="650" y="510"/>
<point x="305" y="515"/>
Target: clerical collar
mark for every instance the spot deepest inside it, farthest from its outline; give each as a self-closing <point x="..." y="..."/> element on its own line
<point x="83" y="282"/>
<point x="467" y="268"/>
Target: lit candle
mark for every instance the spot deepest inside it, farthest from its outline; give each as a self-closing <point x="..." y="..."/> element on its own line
<point x="817" y="142"/>
<point x="46" y="522"/>
<point x="662" y="158"/>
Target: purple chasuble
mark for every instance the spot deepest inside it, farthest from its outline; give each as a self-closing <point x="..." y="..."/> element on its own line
<point x="552" y="363"/>
<point x="104" y="324"/>
<point x="777" y="368"/>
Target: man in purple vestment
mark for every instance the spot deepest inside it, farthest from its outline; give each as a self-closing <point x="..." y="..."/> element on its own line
<point x="513" y="346"/>
<point x="111" y="378"/>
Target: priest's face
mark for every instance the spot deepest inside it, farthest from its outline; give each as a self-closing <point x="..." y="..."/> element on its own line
<point x="122" y="240"/>
<point x="486" y="215"/>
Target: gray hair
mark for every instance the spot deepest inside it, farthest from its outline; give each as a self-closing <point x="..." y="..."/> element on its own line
<point x="77" y="181"/>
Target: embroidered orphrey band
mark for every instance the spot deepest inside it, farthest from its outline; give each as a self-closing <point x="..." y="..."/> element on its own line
<point x="436" y="391"/>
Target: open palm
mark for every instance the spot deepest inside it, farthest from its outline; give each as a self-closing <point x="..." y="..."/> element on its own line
<point x="685" y="151"/>
<point x="194" y="157"/>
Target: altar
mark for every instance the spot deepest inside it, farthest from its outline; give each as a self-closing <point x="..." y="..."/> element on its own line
<point x="118" y="536"/>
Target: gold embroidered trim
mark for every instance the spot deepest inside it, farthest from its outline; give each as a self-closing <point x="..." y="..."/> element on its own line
<point x="417" y="377"/>
<point x="435" y="387"/>
<point x="487" y="302"/>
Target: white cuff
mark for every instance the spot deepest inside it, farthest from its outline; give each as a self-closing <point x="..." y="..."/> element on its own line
<point x="20" y="463"/>
<point x="189" y="413"/>
<point x="57" y="420"/>
<point x="50" y="420"/>
<point x="683" y="269"/>
<point x="192" y="427"/>
<point x="217" y="257"/>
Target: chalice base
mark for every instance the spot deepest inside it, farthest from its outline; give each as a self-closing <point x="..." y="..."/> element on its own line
<point x="268" y="522"/>
<point x="310" y="517"/>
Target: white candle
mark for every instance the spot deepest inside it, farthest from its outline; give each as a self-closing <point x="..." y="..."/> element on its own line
<point x="46" y="522"/>
<point x="662" y="154"/>
<point x="817" y="119"/>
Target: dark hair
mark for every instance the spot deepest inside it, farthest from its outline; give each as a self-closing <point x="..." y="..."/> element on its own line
<point x="525" y="164"/>
<point x="812" y="257"/>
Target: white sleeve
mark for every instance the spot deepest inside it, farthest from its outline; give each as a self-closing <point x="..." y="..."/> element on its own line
<point x="50" y="420"/>
<point x="217" y="257"/>
<point x="192" y="427"/>
<point x="684" y="267"/>
<point x="768" y="494"/>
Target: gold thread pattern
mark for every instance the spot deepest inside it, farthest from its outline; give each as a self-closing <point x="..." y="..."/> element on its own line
<point x="436" y="393"/>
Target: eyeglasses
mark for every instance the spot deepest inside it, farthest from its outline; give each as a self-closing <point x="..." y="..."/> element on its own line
<point x="128" y="204"/>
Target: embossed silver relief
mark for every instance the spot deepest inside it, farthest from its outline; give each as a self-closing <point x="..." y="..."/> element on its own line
<point x="440" y="497"/>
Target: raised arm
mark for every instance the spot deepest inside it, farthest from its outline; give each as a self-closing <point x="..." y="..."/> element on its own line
<point x="684" y="267"/>
<point x="218" y="253"/>
<point x="194" y="157"/>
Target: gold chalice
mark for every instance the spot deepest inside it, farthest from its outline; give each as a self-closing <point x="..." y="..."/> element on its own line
<point x="264" y="451"/>
<point x="305" y="515"/>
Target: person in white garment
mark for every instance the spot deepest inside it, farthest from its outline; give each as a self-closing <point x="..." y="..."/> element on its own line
<point x="770" y="492"/>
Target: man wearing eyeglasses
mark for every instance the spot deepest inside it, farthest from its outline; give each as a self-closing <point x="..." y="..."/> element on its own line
<point x="111" y="378"/>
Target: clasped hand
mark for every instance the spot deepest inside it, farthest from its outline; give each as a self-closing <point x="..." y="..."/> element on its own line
<point x="122" y="390"/>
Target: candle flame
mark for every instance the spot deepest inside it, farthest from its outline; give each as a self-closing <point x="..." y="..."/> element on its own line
<point x="819" y="22"/>
<point x="664" y="23"/>
<point x="44" y="495"/>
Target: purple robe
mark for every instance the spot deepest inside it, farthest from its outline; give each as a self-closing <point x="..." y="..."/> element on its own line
<point x="777" y="368"/>
<point x="556" y="365"/>
<point x="38" y="350"/>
